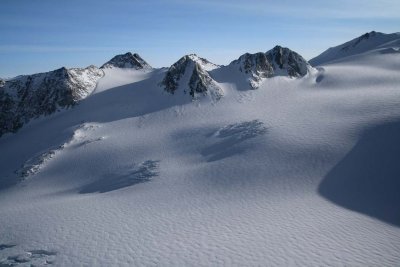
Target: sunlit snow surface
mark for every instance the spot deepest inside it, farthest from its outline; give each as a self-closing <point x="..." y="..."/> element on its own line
<point x="135" y="176"/>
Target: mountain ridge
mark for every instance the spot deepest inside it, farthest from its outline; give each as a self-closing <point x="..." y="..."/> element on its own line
<point x="25" y="97"/>
<point x="366" y="42"/>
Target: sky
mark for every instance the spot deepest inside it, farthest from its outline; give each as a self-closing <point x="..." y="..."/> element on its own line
<point x="42" y="35"/>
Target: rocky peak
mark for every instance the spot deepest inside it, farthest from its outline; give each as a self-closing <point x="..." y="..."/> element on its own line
<point x="287" y="62"/>
<point x="279" y="61"/>
<point x="255" y="66"/>
<point x="190" y="74"/>
<point x="2" y="82"/>
<point x="127" y="60"/>
<point x="30" y="96"/>
<point x="360" y="39"/>
<point x="204" y="63"/>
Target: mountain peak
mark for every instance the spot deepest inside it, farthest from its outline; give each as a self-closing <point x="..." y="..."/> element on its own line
<point x="204" y="63"/>
<point x="366" y="42"/>
<point x="287" y="62"/>
<point x="127" y="60"/>
<point x="279" y="61"/>
<point x="190" y="73"/>
<point x="364" y="37"/>
<point x="29" y="96"/>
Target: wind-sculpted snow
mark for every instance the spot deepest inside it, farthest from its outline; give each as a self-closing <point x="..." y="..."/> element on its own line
<point x="136" y="174"/>
<point x="33" y="165"/>
<point x="5" y="246"/>
<point x="30" y="258"/>
<point x="230" y="137"/>
<point x="301" y="172"/>
<point x="79" y="138"/>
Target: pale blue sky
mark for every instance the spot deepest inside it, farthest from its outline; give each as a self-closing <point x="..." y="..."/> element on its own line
<point x="42" y="35"/>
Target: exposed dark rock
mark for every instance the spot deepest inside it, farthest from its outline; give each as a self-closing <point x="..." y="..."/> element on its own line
<point x="198" y="80"/>
<point x="30" y="96"/>
<point x="127" y="60"/>
<point x="279" y="61"/>
<point x="287" y="62"/>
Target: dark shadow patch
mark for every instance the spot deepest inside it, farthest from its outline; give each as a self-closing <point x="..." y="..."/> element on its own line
<point x="390" y="50"/>
<point x="4" y="246"/>
<point x="42" y="252"/>
<point x="367" y="179"/>
<point x="139" y="174"/>
<point x="231" y="136"/>
<point x="38" y="257"/>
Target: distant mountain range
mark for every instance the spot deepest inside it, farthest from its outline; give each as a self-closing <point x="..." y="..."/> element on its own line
<point x="30" y="96"/>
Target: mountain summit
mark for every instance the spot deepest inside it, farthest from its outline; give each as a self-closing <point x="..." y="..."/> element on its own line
<point x="190" y="74"/>
<point x="30" y="96"/>
<point x="366" y="42"/>
<point x="127" y="60"/>
<point x="279" y="61"/>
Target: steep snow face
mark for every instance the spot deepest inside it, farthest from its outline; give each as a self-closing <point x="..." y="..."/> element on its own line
<point x="189" y="75"/>
<point x="286" y="62"/>
<point x="30" y="96"/>
<point x="127" y="60"/>
<point x="279" y="61"/>
<point x="366" y="42"/>
<point x="2" y="82"/>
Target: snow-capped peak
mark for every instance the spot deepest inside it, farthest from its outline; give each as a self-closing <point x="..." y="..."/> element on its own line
<point x="29" y="96"/>
<point x="191" y="73"/>
<point x="364" y="43"/>
<point x="204" y="63"/>
<point x="279" y="61"/>
<point x="127" y="60"/>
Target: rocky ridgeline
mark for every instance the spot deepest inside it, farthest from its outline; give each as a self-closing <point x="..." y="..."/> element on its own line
<point x="128" y="60"/>
<point x="279" y="61"/>
<point x="189" y="75"/>
<point x="370" y="41"/>
<point x="31" y="96"/>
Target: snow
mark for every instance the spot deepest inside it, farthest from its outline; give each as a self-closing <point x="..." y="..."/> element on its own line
<point x="143" y="177"/>
<point x="204" y="63"/>
<point x="365" y="43"/>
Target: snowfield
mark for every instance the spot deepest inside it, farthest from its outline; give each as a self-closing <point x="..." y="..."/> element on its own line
<point x="299" y="172"/>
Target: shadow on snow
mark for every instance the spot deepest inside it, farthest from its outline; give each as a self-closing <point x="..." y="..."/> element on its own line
<point x="139" y="174"/>
<point x="367" y="179"/>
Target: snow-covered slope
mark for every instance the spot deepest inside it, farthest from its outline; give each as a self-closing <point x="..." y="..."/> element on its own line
<point x="365" y="43"/>
<point x="31" y="96"/>
<point x="301" y="172"/>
